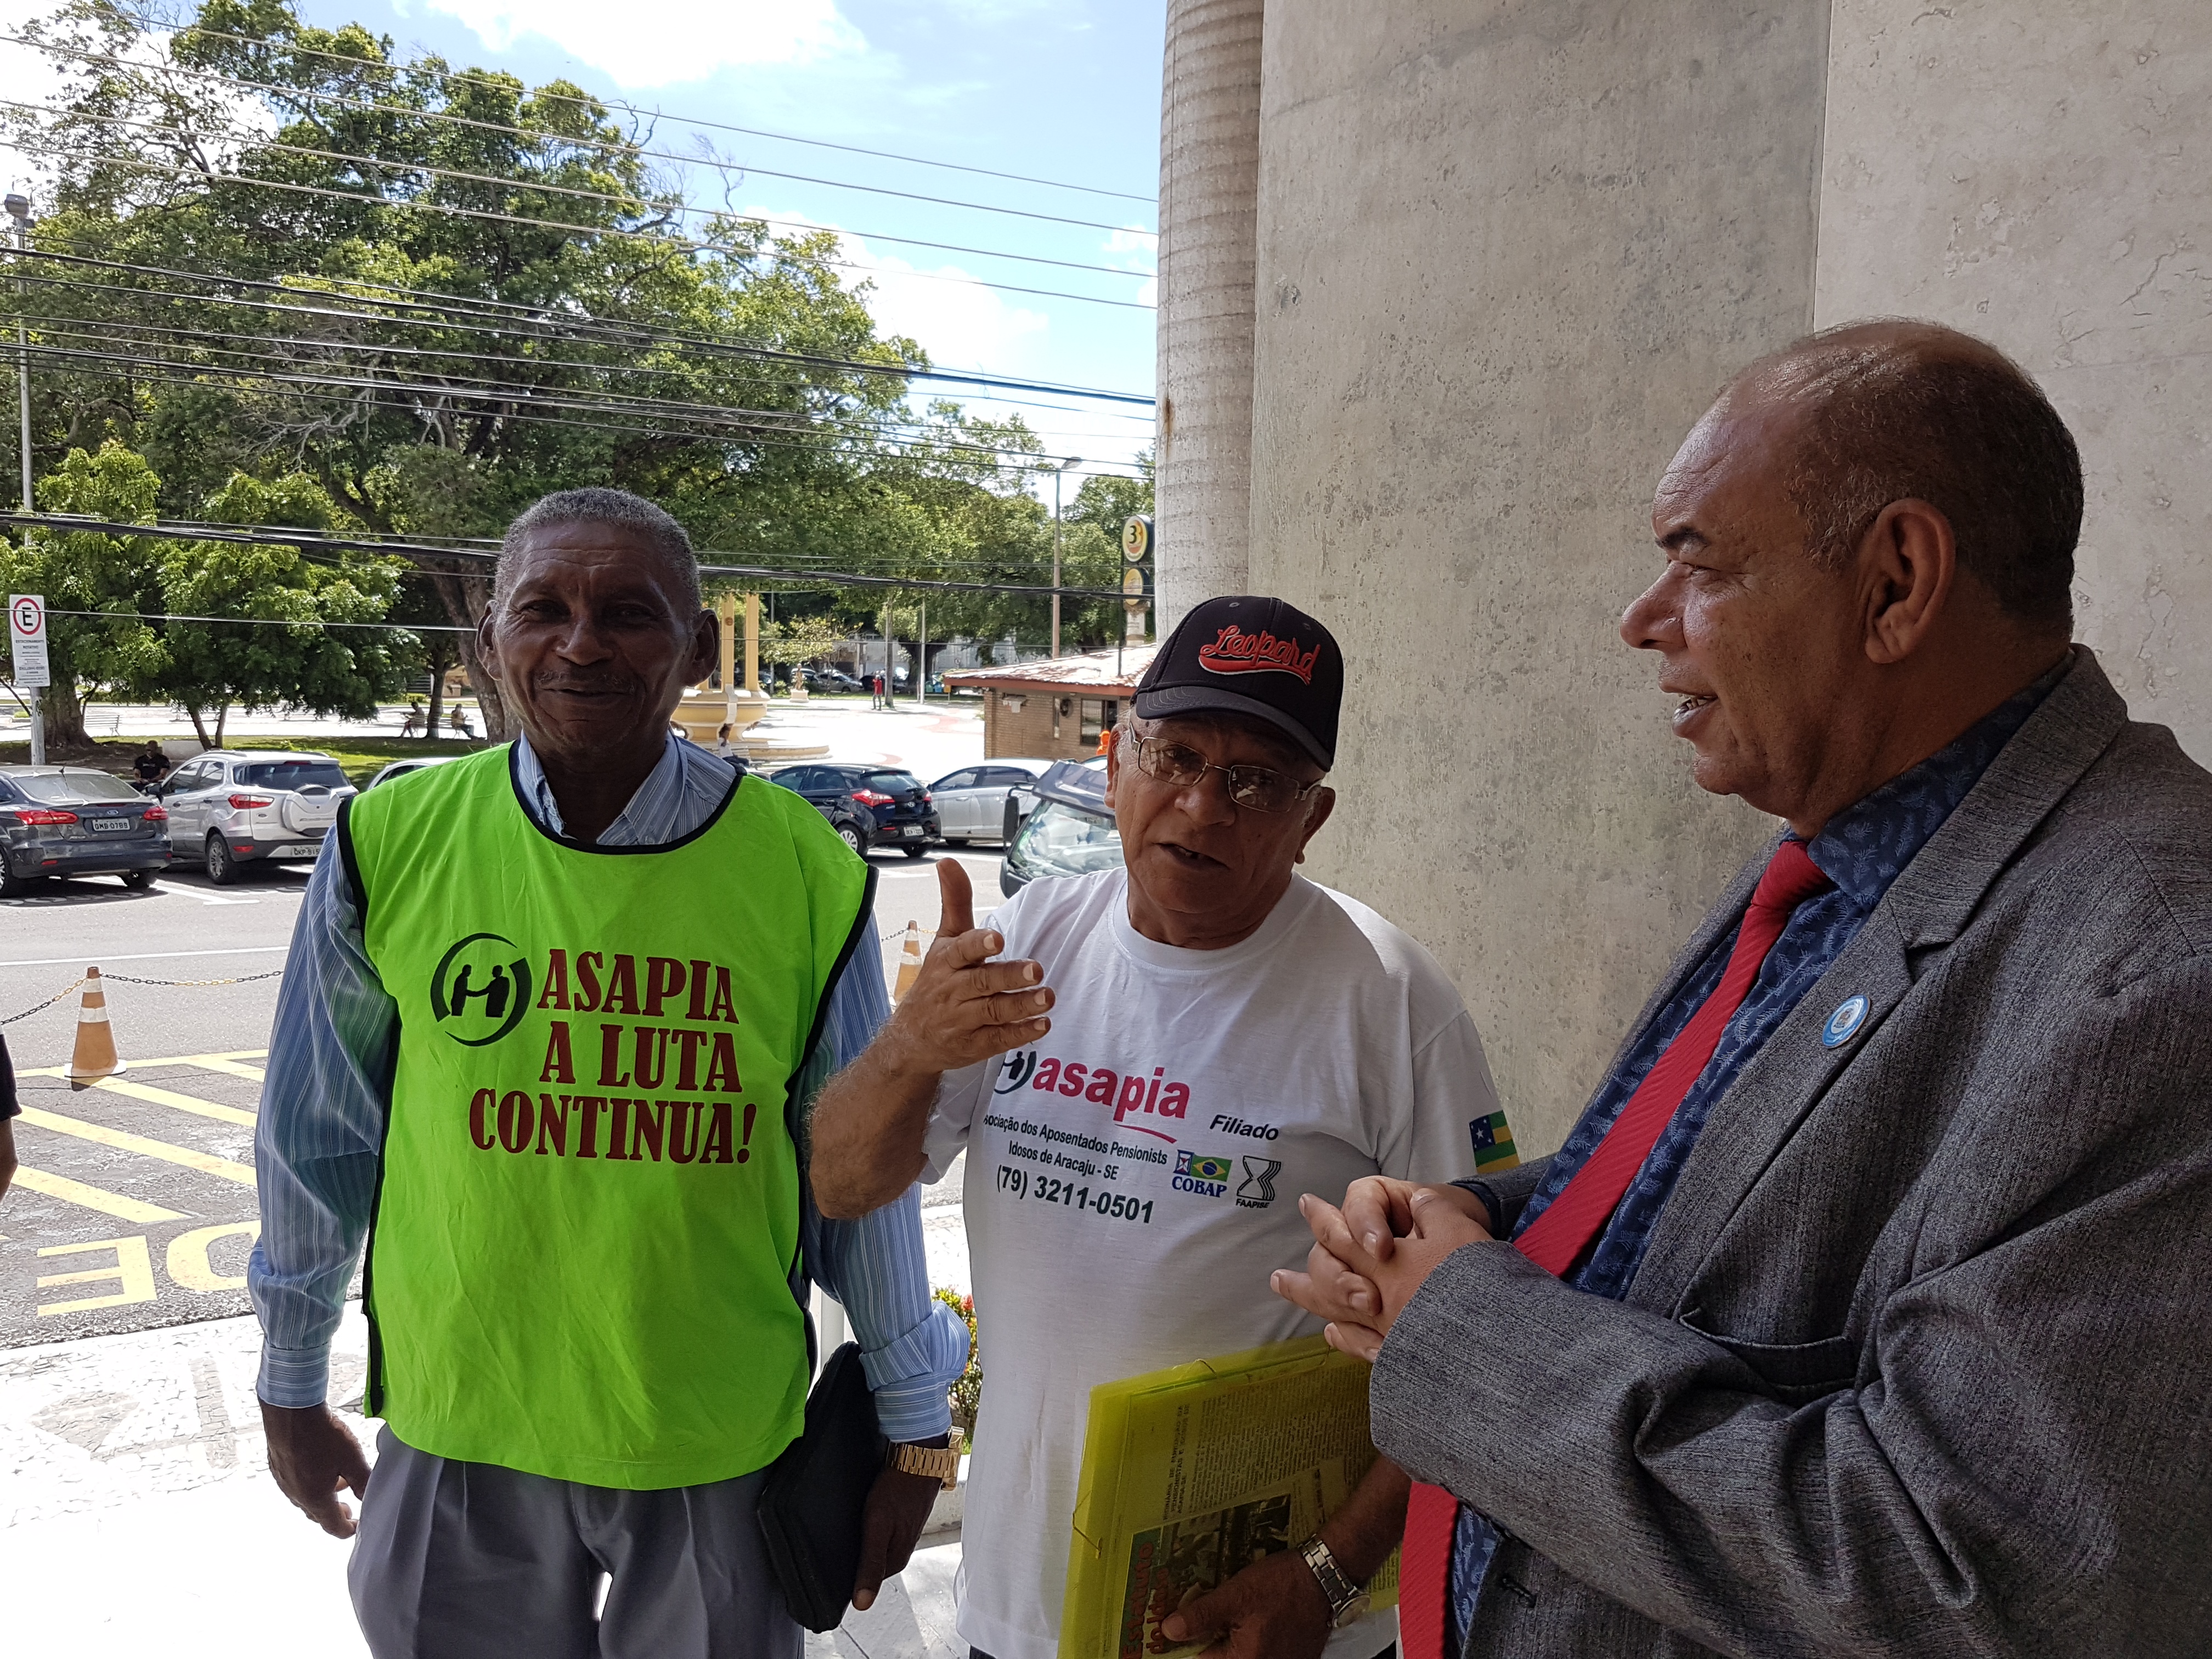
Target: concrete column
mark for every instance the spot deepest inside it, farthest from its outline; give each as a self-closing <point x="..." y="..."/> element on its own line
<point x="1507" y="252"/>
<point x="1209" y="168"/>
<point x="2040" y="174"/>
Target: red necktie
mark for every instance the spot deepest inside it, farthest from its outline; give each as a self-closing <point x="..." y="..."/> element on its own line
<point x="1556" y="1238"/>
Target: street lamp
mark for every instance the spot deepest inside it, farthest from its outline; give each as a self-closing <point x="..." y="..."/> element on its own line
<point x="1072" y="460"/>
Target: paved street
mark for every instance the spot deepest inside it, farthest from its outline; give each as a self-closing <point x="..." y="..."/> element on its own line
<point x="127" y="1352"/>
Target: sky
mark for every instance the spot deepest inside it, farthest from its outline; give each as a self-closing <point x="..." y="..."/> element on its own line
<point x="1059" y="90"/>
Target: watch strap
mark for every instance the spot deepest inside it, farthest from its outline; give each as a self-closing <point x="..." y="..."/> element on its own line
<point x="1345" y="1599"/>
<point x="940" y="1464"/>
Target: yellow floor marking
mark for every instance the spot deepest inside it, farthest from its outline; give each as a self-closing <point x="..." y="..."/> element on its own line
<point x="192" y="1103"/>
<point x="92" y="1198"/>
<point x="205" y="1163"/>
<point x="209" y="1062"/>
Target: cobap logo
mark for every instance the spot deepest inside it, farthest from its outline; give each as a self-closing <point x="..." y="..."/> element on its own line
<point x="1196" y="1172"/>
<point x="483" y="995"/>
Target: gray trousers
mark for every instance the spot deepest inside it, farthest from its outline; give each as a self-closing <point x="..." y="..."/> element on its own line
<point x="461" y="1560"/>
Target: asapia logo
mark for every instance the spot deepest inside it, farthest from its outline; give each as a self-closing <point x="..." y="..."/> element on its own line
<point x="1236" y="651"/>
<point x="481" y="988"/>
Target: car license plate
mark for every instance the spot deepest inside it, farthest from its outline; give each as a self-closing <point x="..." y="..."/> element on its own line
<point x="110" y="826"/>
<point x="912" y="829"/>
<point x="303" y="849"/>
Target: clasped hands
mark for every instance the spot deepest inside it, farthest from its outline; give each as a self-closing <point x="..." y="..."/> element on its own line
<point x="1370" y="1255"/>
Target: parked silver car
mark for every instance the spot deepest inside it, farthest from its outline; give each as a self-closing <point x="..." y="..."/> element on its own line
<point x="972" y="802"/>
<point x="77" y="820"/>
<point x="233" y="807"/>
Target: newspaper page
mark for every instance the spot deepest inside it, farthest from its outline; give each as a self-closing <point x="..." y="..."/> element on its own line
<point x="1191" y="1473"/>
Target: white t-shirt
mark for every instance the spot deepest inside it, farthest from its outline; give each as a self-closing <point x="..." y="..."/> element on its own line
<point x="1133" y="1179"/>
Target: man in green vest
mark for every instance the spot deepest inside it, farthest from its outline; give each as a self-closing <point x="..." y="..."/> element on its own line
<point x="552" y="1015"/>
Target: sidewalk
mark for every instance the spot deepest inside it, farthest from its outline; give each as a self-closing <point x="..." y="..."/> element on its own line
<point x="136" y="1514"/>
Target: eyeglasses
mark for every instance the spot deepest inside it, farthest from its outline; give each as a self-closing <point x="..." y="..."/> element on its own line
<point x="1261" y="789"/>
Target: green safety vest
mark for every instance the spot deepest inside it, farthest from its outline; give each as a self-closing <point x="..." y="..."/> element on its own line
<point x="586" y="1221"/>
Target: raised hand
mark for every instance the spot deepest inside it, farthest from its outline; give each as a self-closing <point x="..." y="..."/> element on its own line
<point x="866" y="1133"/>
<point x="964" y="1006"/>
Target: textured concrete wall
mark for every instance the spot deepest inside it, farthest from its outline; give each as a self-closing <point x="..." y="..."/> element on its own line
<point x="1507" y="252"/>
<point x="2040" y="171"/>
<point x="1209" y="172"/>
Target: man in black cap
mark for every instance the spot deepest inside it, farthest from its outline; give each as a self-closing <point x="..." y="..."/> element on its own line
<point x="1148" y="1066"/>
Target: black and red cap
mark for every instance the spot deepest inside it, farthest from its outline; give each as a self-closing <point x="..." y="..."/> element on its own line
<point x="1242" y="655"/>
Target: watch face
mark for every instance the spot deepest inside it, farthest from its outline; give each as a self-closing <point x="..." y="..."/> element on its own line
<point x="1352" y="1612"/>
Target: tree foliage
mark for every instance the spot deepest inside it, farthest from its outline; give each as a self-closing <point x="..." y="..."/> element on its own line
<point x="436" y="293"/>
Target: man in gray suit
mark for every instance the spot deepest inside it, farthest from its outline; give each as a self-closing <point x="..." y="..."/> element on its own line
<point x="1864" y="1311"/>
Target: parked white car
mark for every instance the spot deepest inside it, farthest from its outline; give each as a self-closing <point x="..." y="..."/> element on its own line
<point x="972" y="802"/>
<point x="232" y="807"/>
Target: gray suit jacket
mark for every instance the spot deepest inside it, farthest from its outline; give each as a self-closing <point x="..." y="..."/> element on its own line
<point x="1920" y="1357"/>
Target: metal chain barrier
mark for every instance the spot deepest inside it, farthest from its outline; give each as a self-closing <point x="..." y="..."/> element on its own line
<point x="126" y="979"/>
<point x="243" y="979"/>
<point x="47" y="1004"/>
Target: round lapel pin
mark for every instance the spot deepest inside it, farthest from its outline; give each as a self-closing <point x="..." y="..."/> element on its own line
<point x="1843" y="1024"/>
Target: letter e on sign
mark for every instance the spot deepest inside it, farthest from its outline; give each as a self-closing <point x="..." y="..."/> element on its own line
<point x="27" y="639"/>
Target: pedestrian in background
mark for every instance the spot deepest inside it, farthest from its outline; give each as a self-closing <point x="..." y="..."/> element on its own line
<point x="551" y="1019"/>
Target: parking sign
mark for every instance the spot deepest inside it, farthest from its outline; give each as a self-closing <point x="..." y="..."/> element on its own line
<point x="26" y="638"/>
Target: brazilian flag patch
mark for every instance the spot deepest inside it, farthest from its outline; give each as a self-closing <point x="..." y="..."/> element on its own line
<point x="1493" y="1143"/>
<point x="1199" y="1167"/>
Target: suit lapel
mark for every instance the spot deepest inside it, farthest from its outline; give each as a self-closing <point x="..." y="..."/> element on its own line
<point x="1928" y="908"/>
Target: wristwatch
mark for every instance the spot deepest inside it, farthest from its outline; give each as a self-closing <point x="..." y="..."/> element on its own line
<point x="938" y="1463"/>
<point x="1347" y="1602"/>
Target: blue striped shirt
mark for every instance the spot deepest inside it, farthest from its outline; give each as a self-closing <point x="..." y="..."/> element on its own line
<point x="329" y="1088"/>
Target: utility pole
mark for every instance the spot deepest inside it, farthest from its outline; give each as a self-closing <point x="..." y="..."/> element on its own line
<point x="922" y="657"/>
<point x="1072" y="460"/>
<point x="19" y="210"/>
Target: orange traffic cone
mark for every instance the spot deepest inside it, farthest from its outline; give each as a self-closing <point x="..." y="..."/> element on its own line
<point x="909" y="966"/>
<point x="94" y="1055"/>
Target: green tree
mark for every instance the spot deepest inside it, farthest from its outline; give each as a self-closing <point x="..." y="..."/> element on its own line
<point x="317" y="662"/>
<point x="466" y="316"/>
<point x="97" y="586"/>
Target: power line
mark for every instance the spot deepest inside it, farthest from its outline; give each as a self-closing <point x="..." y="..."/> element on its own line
<point x="302" y="94"/>
<point x="78" y="328"/>
<point x="417" y="65"/>
<point x="518" y="317"/>
<point x="258" y="622"/>
<point x="284" y="535"/>
<point x="684" y="244"/>
<point x="522" y="393"/>
<point x="634" y="206"/>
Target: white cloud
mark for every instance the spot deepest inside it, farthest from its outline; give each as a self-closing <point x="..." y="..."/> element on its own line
<point x="658" y="43"/>
<point x="1135" y="248"/>
<point x="959" y="321"/>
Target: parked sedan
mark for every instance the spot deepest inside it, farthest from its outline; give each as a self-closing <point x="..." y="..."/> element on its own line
<point x="972" y="802"/>
<point x="77" y="820"/>
<point x="231" y="808"/>
<point x="898" y="807"/>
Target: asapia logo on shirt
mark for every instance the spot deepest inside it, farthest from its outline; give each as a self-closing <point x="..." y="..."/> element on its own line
<point x="1236" y="651"/>
<point x="1129" y="1095"/>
